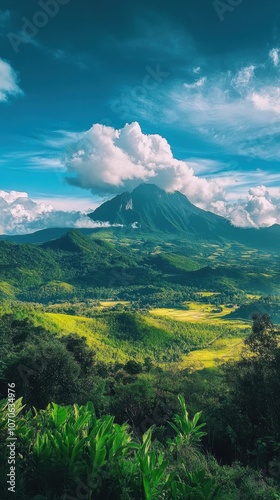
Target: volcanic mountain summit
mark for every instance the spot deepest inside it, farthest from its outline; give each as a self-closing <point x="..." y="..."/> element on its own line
<point x="150" y="208"/>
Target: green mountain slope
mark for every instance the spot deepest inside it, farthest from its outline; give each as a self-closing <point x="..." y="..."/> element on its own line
<point x="26" y="265"/>
<point x="74" y="264"/>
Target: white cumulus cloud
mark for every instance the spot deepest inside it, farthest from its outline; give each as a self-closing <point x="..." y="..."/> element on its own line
<point x="107" y="160"/>
<point x="8" y="81"/>
<point x="258" y="208"/>
<point x="19" y="215"/>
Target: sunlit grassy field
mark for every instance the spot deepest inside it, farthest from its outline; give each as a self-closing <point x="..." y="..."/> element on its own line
<point x="112" y="303"/>
<point x="201" y="313"/>
<point x="219" y="352"/>
<point x="200" y="336"/>
<point x="92" y="329"/>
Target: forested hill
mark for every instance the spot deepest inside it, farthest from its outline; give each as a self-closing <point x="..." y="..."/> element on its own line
<point x="79" y="262"/>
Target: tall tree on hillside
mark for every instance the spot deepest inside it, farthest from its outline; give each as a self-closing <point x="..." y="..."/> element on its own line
<point x="254" y="403"/>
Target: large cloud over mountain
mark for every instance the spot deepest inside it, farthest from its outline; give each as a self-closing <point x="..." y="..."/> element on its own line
<point x="107" y="160"/>
<point x="110" y="161"/>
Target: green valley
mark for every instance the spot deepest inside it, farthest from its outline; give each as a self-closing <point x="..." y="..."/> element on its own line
<point x="121" y="321"/>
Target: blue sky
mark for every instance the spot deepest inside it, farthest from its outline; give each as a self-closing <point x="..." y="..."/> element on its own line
<point x="186" y="95"/>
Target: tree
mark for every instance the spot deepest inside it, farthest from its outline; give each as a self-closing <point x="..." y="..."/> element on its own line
<point x="44" y="372"/>
<point x="253" y="407"/>
<point x="262" y="342"/>
<point x="133" y="368"/>
<point x="80" y="351"/>
<point x="134" y="402"/>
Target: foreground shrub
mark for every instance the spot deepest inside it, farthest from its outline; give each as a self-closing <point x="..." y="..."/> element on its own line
<point x="67" y="453"/>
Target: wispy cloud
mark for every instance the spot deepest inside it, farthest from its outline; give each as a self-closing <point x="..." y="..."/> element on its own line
<point x="243" y="77"/>
<point x="76" y="59"/>
<point x="274" y="55"/>
<point x="72" y="57"/>
<point x="238" y="110"/>
<point x="197" y="84"/>
<point x="46" y="163"/>
<point x="35" y="159"/>
<point x="68" y="203"/>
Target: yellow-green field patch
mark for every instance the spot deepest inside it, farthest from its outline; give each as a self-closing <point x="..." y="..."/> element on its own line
<point x="207" y="294"/>
<point x="218" y="353"/>
<point x="113" y="303"/>
<point x="6" y="289"/>
<point x="201" y="313"/>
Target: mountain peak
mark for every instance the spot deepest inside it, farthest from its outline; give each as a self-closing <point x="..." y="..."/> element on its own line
<point x="154" y="209"/>
<point x="148" y="189"/>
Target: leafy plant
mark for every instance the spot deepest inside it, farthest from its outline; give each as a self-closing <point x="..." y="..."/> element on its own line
<point x="153" y="468"/>
<point x="187" y="430"/>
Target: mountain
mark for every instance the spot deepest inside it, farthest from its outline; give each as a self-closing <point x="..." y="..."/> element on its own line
<point x="151" y="212"/>
<point x="151" y="209"/>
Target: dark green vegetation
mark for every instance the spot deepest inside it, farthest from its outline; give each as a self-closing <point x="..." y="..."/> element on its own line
<point x="239" y="457"/>
<point x="120" y="321"/>
<point x="264" y="305"/>
<point x="77" y="455"/>
<point x="105" y="265"/>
